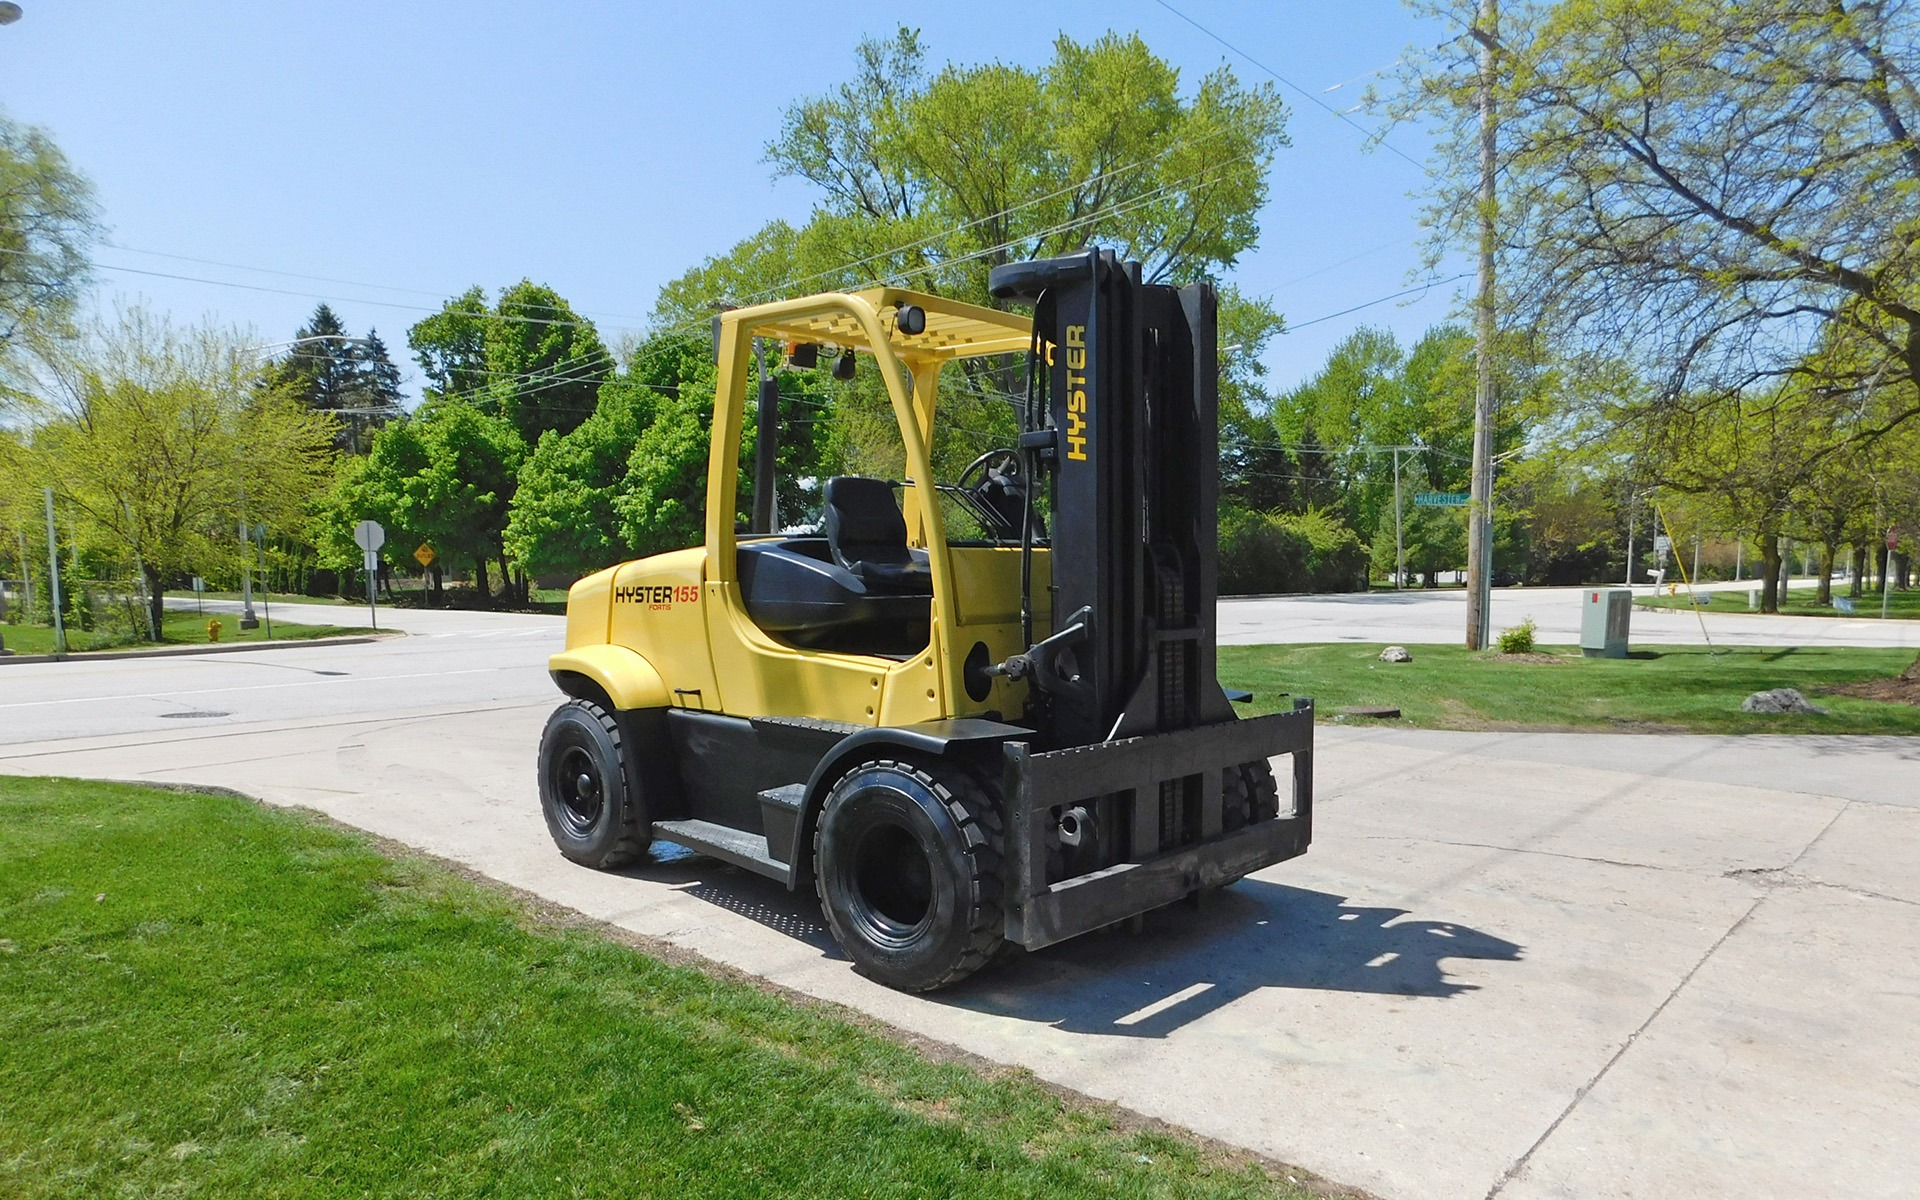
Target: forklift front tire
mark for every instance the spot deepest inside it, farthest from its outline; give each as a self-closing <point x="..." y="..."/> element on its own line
<point x="908" y="869"/>
<point x="592" y="813"/>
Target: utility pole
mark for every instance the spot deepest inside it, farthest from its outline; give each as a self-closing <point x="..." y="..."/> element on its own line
<point x="26" y="576"/>
<point x="1480" y="499"/>
<point x="53" y="579"/>
<point x="1632" y="528"/>
<point x="1399" y="541"/>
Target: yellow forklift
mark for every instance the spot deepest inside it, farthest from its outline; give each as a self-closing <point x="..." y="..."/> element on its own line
<point x="972" y="714"/>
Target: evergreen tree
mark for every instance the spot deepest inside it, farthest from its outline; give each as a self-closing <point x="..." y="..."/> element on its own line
<point x="318" y="369"/>
<point x="327" y="370"/>
<point x="377" y="395"/>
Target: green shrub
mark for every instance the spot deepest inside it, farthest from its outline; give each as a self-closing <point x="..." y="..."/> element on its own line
<point x="1314" y="551"/>
<point x="1519" y="639"/>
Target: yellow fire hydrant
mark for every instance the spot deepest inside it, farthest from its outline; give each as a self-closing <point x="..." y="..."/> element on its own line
<point x="213" y="630"/>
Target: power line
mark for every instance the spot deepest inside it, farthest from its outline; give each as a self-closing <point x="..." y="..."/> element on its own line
<point x="382" y="287"/>
<point x="1424" y="287"/>
<point x="1309" y="96"/>
<point x="255" y="287"/>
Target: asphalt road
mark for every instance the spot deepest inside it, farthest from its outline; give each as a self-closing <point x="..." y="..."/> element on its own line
<point x="1441" y="616"/>
<point x="1513" y="965"/>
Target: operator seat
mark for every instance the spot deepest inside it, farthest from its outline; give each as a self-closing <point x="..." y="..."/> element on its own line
<point x="868" y="536"/>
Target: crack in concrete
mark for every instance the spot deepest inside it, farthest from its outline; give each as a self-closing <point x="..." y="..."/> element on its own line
<point x="1786" y="877"/>
<point x="1520" y="1164"/>
<point x="1611" y="862"/>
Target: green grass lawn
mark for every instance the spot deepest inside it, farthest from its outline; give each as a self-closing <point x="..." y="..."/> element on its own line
<point x="200" y="996"/>
<point x="179" y="628"/>
<point x="1800" y="602"/>
<point x="1675" y="687"/>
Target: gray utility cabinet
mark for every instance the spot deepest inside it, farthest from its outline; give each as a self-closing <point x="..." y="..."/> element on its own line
<point x="1604" y="613"/>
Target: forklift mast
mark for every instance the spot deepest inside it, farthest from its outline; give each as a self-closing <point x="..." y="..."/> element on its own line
<point x="1122" y="420"/>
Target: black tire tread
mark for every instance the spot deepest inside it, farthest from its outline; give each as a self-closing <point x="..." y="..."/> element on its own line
<point x="633" y="842"/>
<point x="981" y="824"/>
<point x="1248" y="794"/>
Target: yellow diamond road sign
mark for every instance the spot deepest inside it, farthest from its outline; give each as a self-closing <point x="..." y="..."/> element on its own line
<point x="425" y="555"/>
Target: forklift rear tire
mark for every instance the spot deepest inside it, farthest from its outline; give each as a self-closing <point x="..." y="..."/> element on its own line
<point x="907" y="863"/>
<point x="1248" y="794"/>
<point x="594" y="816"/>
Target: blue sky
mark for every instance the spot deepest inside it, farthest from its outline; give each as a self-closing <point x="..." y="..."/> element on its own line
<point x="603" y="149"/>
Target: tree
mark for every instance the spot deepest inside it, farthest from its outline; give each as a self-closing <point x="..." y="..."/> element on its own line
<point x="330" y="372"/>
<point x="47" y="223"/>
<point x="1752" y="456"/>
<point x="1714" y="189"/>
<point x="451" y="346"/>
<point x="446" y="477"/>
<point x="563" y="517"/>
<point x="544" y="361"/>
<point x="935" y="179"/>
<point x="530" y="358"/>
<point x="163" y="441"/>
<point x="379" y="382"/>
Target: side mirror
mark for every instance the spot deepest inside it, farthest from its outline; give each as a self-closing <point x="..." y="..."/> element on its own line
<point x="910" y="319"/>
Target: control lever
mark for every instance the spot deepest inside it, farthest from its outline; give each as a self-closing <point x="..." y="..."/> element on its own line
<point x="1041" y="661"/>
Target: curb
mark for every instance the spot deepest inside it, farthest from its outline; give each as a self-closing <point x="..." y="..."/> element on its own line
<point x="183" y="651"/>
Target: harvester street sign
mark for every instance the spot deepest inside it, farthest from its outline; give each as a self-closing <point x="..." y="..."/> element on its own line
<point x="1441" y="499"/>
<point x="425" y="555"/>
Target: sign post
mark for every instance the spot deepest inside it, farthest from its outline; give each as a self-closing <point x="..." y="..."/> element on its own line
<point x="1886" y="572"/>
<point x="426" y="556"/>
<point x="53" y="583"/>
<point x="371" y="537"/>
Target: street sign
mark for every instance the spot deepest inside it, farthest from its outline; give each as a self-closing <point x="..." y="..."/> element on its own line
<point x="1662" y="545"/>
<point x="1442" y="499"/>
<point x="371" y="537"/>
<point x="425" y="555"/>
<point x="199" y="584"/>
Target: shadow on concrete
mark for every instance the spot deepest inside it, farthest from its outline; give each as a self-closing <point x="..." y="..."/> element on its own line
<point x="1186" y="961"/>
<point x="1190" y="961"/>
<point x="755" y="897"/>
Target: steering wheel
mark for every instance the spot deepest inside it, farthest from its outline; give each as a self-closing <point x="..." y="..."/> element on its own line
<point x="982" y="465"/>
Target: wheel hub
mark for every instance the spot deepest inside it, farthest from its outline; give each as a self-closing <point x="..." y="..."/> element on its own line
<point x="577" y="781"/>
<point x="893" y="881"/>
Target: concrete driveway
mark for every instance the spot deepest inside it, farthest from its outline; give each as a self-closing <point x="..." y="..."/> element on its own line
<point x="1514" y="965"/>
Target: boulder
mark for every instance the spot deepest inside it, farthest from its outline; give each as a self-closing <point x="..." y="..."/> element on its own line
<point x="1395" y="654"/>
<point x="1779" y="700"/>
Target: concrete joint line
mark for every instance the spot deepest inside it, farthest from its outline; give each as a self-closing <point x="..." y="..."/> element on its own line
<point x="1609" y="862"/>
<point x="1520" y="1164"/>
